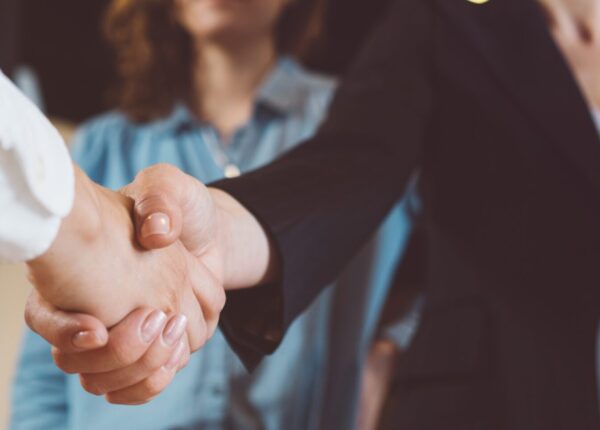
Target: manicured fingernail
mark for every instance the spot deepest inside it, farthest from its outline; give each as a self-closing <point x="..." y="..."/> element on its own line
<point x="176" y="357"/>
<point x="153" y="325"/>
<point x="157" y="223"/>
<point x="174" y="329"/>
<point x="88" y="339"/>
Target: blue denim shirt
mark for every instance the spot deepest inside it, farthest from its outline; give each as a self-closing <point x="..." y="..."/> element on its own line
<point x="214" y="390"/>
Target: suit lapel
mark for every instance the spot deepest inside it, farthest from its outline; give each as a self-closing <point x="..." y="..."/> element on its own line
<point x="513" y="37"/>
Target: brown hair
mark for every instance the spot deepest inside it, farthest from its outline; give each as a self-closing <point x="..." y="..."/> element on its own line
<point x="154" y="53"/>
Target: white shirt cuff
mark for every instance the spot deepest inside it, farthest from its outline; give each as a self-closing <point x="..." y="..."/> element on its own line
<point x="36" y="177"/>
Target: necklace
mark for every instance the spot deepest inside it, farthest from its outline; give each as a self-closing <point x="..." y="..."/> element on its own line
<point x="215" y="147"/>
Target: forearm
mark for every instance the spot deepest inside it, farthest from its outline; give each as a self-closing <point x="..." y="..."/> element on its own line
<point x="81" y="224"/>
<point x="377" y="376"/>
<point x="73" y="258"/>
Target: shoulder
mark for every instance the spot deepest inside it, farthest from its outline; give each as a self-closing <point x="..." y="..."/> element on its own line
<point x="314" y="90"/>
<point x="315" y="83"/>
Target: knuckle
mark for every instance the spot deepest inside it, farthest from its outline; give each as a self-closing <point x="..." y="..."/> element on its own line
<point x="212" y="328"/>
<point x="119" y="399"/>
<point x="185" y="359"/>
<point x="152" y="360"/>
<point x="197" y="345"/>
<point x="91" y="385"/>
<point x="114" y="400"/>
<point x="165" y="169"/>
<point x="123" y="355"/>
<point x="32" y="319"/>
<point x="221" y="299"/>
<point x="63" y="361"/>
<point x="29" y="317"/>
<point x="199" y="339"/>
<point x="156" y="171"/>
<point x="154" y="385"/>
<point x="214" y="296"/>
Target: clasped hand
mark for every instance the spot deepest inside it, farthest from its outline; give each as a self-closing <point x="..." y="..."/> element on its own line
<point x="132" y="285"/>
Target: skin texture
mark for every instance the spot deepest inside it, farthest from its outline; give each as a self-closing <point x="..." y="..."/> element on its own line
<point x="234" y="49"/>
<point x="224" y="237"/>
<point x="96" y="251"/>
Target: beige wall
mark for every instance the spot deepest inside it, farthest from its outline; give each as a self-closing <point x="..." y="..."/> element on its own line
<point x="13" y="293"/>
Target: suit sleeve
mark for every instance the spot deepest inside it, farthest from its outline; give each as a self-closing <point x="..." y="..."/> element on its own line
<point x="323" y="200"/>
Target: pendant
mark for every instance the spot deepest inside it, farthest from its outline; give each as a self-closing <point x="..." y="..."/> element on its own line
<point x="232" y="171"/>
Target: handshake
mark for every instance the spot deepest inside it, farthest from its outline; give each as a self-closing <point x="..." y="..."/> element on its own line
<point x="135" y="281"/>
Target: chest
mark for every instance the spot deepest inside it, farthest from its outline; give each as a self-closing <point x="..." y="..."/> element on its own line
<point x="197" y="149"/>
<point x="512" y="142"/>
<point x="585" y="63"/>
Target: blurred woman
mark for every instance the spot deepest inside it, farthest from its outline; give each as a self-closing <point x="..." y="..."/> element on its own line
<point x="211" y="87"/>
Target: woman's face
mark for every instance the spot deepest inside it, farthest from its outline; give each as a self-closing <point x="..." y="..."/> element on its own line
<point x="229" y="19"/>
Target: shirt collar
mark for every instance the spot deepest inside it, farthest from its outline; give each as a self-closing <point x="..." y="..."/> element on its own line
<point x="282" y="92"/>
<point x="178" y="120"/>
<point x="284" y="87"/>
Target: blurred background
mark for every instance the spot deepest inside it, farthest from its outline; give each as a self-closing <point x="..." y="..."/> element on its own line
<point x="61" y="41"/>
<point x="55" y="51"/>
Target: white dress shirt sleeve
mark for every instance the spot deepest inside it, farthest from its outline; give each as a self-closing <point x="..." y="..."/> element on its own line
<point x="36" y="177"/>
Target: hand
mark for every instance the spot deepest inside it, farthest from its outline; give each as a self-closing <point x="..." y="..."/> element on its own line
<point x="376" y="376"/>
<point x="94" y="268"/>
<point x="138" y="345"/>
<point x="210" y="223"/>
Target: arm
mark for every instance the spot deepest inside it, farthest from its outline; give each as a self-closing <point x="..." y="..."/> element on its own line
<point x="94" y="266"/>
<point x="33" y="163"/>
<point x="320" y="202"/>
<point x="293" y="225"/>
<point x="82" y="256"/>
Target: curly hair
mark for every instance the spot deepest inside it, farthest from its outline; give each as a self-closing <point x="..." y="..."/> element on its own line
<point x="154" y="53"/>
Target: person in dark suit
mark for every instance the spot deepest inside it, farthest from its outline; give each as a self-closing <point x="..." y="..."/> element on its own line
<point x="492" y="101"/>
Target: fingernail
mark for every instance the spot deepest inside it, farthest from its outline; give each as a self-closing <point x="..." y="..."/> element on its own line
<point x="176" y="357"/>
<point x="152" y="326"/>
<point x="174" y="329"/>
<point x="157" y="223"/>
<point x="88" y="339"/>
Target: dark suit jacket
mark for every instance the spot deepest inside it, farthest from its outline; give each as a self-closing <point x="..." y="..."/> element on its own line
<point x="9" y="30"/>
<point x="480" y="98"/>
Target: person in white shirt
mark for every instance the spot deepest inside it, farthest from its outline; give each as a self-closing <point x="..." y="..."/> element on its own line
<point x="78" y="240"/>
<point x="36" y="178"/>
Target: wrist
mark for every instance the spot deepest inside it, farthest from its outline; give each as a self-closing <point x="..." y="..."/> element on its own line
<point x="81" y="225"/>
<point x="61" y="273"/>
<point x="244" y="245"/>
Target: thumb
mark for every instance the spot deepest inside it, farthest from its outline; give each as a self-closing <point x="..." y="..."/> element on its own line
<point x="157" y="212"/>
<point x="169" y="206"/>
<point x="158" y="220"/>
<point x="69" y="332"/>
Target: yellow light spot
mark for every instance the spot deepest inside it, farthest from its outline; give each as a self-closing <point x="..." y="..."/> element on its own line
<point x="478" y="1"/>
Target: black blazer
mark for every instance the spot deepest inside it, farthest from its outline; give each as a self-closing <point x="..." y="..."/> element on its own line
<point x="480" y="98"/>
